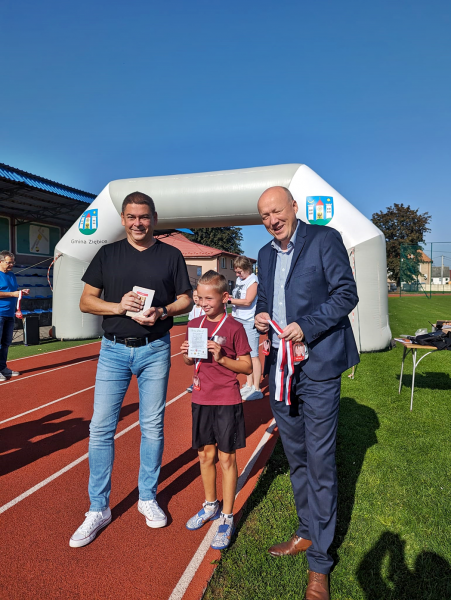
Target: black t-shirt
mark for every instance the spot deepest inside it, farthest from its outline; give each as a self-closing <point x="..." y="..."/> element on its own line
<point x="118" y="267"/>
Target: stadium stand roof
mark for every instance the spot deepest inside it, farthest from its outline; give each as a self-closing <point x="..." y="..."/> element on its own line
<point x="28" y="197"/>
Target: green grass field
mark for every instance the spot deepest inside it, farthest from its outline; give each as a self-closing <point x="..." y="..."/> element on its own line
<point x="48" y="345"/>
<point x="393" y="539"/>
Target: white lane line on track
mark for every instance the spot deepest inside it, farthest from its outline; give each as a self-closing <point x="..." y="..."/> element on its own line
<point x="53" y="401"/>
<point x="44" y="372"/>
<point x="53" y="351"/>
<point x="71" y="348"/>
<point x="70" y="466"/>
<point x="44" y="405"/>
<point x="56" y="369"/>
<point x="188" y="575"/>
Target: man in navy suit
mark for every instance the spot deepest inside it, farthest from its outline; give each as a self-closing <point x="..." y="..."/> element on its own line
<point x="306" y="286"/>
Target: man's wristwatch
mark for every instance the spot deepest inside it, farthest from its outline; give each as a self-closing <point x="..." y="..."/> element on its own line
<point x="165" y="313"/>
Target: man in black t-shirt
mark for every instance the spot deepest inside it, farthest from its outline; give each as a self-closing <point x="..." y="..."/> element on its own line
<point x="131" y="346"/>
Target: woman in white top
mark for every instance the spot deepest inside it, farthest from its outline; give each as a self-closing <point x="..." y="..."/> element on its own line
<point x="244" y="301"/>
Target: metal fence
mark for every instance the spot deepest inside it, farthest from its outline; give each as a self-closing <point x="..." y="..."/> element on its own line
<point x="425" y="269"/>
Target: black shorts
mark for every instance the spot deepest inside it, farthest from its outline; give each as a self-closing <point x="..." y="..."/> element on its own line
<point x="222" y="425"/>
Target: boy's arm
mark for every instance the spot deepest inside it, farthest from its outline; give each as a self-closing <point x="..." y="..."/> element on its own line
<point x="242" y="364"/>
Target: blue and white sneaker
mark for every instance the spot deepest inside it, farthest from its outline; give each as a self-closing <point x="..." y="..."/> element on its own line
<point x="205" y="514"/>
<point x="223" y="536"/>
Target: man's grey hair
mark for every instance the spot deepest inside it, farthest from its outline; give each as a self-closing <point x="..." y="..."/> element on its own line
<point x="5" y="253"/>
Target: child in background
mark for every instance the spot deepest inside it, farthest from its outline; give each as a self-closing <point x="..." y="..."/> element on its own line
<point x="196" y="311"/>
<point x="218" y="420"/>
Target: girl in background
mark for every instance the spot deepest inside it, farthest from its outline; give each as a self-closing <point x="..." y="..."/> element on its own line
<point x="244" y="300"/>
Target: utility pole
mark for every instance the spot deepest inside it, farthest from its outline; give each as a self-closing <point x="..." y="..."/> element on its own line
<point x="442" y="270"/>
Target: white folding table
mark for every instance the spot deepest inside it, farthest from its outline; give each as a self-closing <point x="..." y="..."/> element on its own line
<point x="413" y="348"/>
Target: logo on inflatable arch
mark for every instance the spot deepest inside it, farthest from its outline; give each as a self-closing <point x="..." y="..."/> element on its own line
<point x="320" y="209"/>
<point x="89" y="221"/>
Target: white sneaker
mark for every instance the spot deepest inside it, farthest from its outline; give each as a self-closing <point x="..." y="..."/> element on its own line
<point x="253" y="395"/>
<point x="246" y="389"/>
<point x="249" y="391"/>
<point x="8" y="373"/>
<point x="90" y="528"/>
<point x="155" y="517"/>
<point x="2" y="377"/>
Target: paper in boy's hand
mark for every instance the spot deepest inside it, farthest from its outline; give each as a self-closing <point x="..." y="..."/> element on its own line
<point x="147" y="296"/>
<point x="197" y="340"/>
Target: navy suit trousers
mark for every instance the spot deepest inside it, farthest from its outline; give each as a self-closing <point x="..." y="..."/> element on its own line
<point x="308" y="429"/>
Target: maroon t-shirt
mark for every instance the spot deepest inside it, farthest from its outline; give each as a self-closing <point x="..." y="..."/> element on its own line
<point x="219" y="385"/>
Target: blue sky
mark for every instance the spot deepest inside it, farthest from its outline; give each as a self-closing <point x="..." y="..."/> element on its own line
<point x="358" y="91"/>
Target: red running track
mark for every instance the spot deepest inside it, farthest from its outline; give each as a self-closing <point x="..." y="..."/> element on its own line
<point x="44" y="475"/>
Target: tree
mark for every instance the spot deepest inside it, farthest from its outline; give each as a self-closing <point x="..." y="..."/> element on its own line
<point x="223" y="238"/>
<point x="402" y="225"/>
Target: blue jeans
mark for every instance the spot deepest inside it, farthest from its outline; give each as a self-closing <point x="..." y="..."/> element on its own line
<point x="6" y="337"/>
<point x="117" y="364"/>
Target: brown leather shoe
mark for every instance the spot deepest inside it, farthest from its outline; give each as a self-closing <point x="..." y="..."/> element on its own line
<point x="290" y="548"/>
<point x="318" y="587"/>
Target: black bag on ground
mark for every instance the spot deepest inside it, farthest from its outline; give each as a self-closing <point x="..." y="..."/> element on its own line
<point x="439" y="339"/>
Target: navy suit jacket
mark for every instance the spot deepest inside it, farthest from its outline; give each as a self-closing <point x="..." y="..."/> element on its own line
<point x="320" y="292"/>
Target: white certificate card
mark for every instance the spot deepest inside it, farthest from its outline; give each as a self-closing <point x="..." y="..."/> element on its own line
<point x="197" y="340"/>
<point x="146" y="295"/>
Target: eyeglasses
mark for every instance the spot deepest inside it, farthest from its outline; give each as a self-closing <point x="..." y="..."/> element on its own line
<point x="10" y="262"/>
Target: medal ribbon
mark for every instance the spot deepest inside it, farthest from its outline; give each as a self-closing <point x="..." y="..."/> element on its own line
<point x="18" y="311"/>
<point x="220" y="324"/>
<point x="285" y="358"/>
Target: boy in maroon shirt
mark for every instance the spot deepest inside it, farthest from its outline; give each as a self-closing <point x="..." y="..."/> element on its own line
<point x="217" y="410"/>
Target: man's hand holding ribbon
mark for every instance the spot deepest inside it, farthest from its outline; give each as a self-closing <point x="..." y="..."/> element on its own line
<point x="291" y="333"/>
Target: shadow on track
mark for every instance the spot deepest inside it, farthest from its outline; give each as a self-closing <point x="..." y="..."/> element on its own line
<point x="24" y="443"/>
<point x="255" y="413"/>
<point x="65" y="363"/>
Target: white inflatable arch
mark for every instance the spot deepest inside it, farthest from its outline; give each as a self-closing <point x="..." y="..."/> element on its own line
<point x="216" y="199"/>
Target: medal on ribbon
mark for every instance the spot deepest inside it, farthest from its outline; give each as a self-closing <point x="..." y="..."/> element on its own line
<point x="214" y="337"/>
<point x="299" y="352"/>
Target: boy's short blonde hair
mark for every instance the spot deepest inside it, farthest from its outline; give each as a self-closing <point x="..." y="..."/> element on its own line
<point x="216" y="280"/>
<point x="244" y="263"/>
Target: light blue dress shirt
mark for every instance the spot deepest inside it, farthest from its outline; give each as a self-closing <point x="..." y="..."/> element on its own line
<point x="283" y="264"/>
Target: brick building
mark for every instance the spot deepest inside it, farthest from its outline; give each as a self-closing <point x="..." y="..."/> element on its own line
<point x="200" y="259"/>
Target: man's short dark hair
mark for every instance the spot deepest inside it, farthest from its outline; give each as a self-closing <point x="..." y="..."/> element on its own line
<point x="138" y="198"/>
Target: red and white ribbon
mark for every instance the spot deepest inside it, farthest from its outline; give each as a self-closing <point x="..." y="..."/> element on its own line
<point x="19" y="314"/>
<point x="285" y="357"/>
<point x="220" y="324"/>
